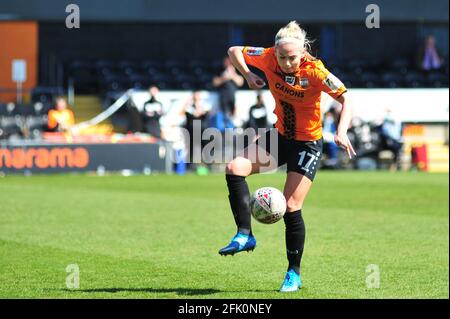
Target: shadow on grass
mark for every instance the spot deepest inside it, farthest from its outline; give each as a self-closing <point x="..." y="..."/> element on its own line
<point x="178" y="291"/>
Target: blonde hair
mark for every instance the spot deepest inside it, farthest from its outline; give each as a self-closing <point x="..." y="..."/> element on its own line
<point x="293" y="33"/>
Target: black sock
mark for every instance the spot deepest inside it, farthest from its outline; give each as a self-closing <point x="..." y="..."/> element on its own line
<point x="295" y="239"/>
<point x="239" y="197"/>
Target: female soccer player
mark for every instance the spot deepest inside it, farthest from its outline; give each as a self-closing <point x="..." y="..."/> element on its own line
<point x="296" y="81"/>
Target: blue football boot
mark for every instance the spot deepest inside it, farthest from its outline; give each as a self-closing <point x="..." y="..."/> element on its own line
<point x="292" y="282"/>
<point x="239" y="243"/>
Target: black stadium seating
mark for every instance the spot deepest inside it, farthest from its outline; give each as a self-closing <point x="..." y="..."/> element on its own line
<point x="437" y="79"/>
<point x="23" y="120"/>
<point x="105" y="75"/>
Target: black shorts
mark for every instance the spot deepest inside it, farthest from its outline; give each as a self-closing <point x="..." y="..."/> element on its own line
<point x="302" y="157"/>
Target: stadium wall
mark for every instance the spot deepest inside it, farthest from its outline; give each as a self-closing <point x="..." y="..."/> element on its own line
<point x="18" y="40"/>
<point x="225" y="11"/>
<point x="59" y="158"/>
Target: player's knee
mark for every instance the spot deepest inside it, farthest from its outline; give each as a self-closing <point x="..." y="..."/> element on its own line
<point x="238" y="166"/>
<point x="233" y="167"/>
<point x="293" y="205"/>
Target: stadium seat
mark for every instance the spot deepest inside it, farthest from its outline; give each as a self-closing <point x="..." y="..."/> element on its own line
<point x="357" y="66"/>
<point x="138" y="81"/>
<point x="107" y="68"/>
<point x="38" y="108"/>
<point x="36" y="124"/>
<point x="150" y="63"/>
<point x="196" y="63"/>
<point x="163" y="81"/>
<point x="106" y="74"/>
<point x="83" y="74"/>
<point x="10" y="125"/>
<point x="205" y="80"/>
<point x="198" y="71"/>
<point x="152" y="66"/>
<point x="185" y="81"/>
<point x="446" y="67"/>
<point x="108" y="71"/>
<point x="392" y="80"/>
<point x="24" y="110"/>
<point x="114" y="83"/>
<point x="415" y="79"/>
<point x="129" y="68"/>
<point x="8" y="109"/>
<point x="162" y="85"/>
<point x="197" y="68"/>
<point x="336" y="70"/>
<point x="3" y="110"/>
<point x="44" y="95"/>
<point x="80" y="64"/>
<point x="349" y="80"/>
<point x="374" y="65"/>
<point x="84" y="80"/>
<point x="174" y="67"/>
<point x="437" y="80"/>
<point x="400" y="65"/>
<point x="370" y="80"/>
<point x="105" y="63"/>
<point x="215" y="66"/>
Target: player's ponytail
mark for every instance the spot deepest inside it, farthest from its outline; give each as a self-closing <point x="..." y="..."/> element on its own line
<point x="293" y="33"/>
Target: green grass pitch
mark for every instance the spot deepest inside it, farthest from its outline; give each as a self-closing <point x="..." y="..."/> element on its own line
<point x="158" y="237"/>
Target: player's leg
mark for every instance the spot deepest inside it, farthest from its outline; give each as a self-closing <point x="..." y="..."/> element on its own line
<point x="295" y="190"/>
<point x="252" y="160"/>
<point x="301" y="172"/>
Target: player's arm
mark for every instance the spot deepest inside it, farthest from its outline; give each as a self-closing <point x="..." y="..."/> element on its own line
<point x="218" y="81"/>
<point x="237" y="58"/>
<point x="237" y="79"/>
<point x="341" y="138"/>
<point x="184" y="106"/>
<point x="331" y="85"/>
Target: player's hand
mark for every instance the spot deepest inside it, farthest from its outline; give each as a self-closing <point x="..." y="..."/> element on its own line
<point x="226" y="75"/>
<point x="254" y="81"/>
<point x="341" y="140"/>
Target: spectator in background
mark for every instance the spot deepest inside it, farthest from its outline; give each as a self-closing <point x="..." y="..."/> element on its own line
<point x="227" y="84"/>
<point x="329" y="146"/>
<point x="135" y="118"/>
<point x="152" y="112"/>
<point x="257" y="117"/>
<point x="429" y="57"/>
<point x="196" y="109"/>
<point x="391" y="133"/>
<point x="61" y="118"/>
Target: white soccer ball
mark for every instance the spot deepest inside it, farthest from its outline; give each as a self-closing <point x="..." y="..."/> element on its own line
<point x="268" y="205"/>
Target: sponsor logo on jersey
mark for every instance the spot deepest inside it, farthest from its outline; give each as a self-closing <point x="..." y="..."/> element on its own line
<point x="288" y="91"/>
<point x="254" y="51"/>
<point x="304" y="83"/>
<point x="289" y="79"/>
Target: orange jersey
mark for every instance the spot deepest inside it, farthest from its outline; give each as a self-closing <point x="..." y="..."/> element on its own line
<point x="64" y="117"/>
<point x="297" y="96"/>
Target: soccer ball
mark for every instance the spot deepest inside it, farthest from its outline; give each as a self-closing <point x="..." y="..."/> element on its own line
<point x="268" y="205"/>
